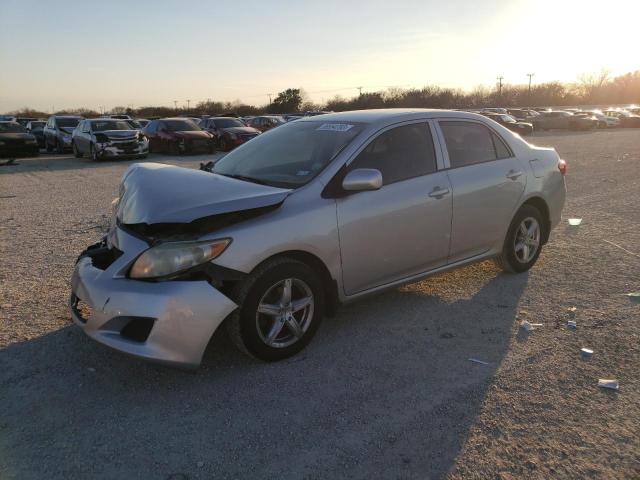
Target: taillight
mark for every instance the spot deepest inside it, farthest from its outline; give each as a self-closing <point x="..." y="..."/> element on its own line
<point x="562" y="166"/>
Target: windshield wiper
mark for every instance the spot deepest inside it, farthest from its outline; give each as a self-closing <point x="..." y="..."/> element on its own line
<point x="244" y="178"/>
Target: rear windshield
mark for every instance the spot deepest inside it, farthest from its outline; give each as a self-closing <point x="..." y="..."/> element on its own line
<point x="289" y="156"/>
<point x="11" y="127"/>
<point x="180" y="125"/>
<point x="102" y="125"/>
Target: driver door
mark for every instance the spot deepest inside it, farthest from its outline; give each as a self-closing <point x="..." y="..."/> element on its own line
<point x="402" y="229"/>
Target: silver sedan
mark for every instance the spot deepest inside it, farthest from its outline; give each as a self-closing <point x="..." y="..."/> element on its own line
<point x="315" y="213"/>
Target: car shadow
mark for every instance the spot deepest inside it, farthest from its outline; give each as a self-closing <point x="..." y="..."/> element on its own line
<point x="385" y="390"/>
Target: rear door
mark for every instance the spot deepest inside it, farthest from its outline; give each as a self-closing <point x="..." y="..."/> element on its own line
<point x="403" y="228"/>
<point x="488" y="182"/>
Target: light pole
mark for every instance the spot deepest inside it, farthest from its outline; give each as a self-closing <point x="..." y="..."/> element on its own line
<point x="530" y="75"/>
<point x="188" y="105"/>
<point x="500" y="85"/>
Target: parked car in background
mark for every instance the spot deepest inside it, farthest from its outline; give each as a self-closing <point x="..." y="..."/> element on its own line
<point x="24" y="120"/>
<point x="36" y="128"/>
<point x="316" y="212"/>
<point x="627" y="119"/>
<point x="495" y="110"/>
<point x="57" y="132"/>
<point x="143" y="122"/>
<point x="118" y="116"/>
<point x="229" y="132"/>
<point x="603" y="120"/>
<point x="523" y="128"/>
<point x="523" y="114"/>
<point x="179" y="136"/>
<point x="106" y="138"/>
<point x="580" y="121"/>
<point x="266" y="122"/>
<point x="16" y="142"/>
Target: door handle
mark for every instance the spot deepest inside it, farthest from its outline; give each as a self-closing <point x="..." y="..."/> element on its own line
<point x="439" y="192"/>
<point x="513" y="174"/>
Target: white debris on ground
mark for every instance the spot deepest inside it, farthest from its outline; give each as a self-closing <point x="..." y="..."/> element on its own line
<point x="608" y="383"/>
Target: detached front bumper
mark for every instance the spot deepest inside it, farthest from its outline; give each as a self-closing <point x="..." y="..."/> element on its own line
<point x="118" y="151"/>
<point x="168" y="322"/>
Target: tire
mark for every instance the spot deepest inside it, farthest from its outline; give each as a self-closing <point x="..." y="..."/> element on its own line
<point x="250" y="330"/>
<point x="76" y="152"/>
<point x="59" y="147"/>
<point x="93" y="155"/>
<point x="47" y="146"/>
<point x="516" y="255"/>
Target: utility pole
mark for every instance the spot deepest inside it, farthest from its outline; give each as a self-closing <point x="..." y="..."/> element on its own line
<point x="359" y="91"/>
<point x="530" y="75"/>
<point x="175" y="105"/>
<point x="269" y="94"/>
<point x="188" y="105"/>
<point x="500" y="85"/>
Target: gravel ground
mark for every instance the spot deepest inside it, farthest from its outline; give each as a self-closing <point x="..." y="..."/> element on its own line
<point x="385" y="390"/>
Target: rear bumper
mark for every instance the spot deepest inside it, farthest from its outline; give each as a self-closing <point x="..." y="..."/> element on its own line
<point x="174" y="320"/>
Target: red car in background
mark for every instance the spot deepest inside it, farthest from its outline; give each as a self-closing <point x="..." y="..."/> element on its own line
<point x="178" y="136"/>
<point x="229" y="132"/>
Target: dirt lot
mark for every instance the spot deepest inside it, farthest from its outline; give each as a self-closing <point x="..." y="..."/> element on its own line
<point x="385" y="390"/>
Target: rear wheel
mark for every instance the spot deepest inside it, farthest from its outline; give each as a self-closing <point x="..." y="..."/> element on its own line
<point x="523" y="243"/>
<point x="281" y="307"/>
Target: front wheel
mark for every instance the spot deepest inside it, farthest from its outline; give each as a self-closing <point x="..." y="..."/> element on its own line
<point x="76" y="152"/>
<point x="523" y="243"/>
<point x="281" y="307"/>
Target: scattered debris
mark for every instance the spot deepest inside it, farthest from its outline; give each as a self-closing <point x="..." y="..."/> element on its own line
<point x="574" y="222"/>
<point x="447" y="335"/>
<point x="622" y="248"/>
<point x="527" y="326"/>
<point x="586" y="352"/>
<point x="475" y="360"/>
<point x="8" y="196"/>
<point x="571" y="324"/>
<point x="572" y="309"/>
<point x="634" y="297"/>
<point x="608" y="383"/>
<point x="200" y="464"/>
<point x="91" y="369"/>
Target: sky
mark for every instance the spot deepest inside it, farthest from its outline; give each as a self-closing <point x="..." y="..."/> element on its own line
<point x="71" y="54"/>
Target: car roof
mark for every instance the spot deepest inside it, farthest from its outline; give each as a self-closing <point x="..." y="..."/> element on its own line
<point x="389" y="114"/>
<point x="67" y="116"/>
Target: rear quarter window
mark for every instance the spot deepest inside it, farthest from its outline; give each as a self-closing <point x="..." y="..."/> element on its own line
<point x="469" y="143"/>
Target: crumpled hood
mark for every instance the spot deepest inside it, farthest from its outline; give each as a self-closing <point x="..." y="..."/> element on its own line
<point x="152" y="193"/>
<point x="241" y="130"/>
<point x="195" y="134"/>
<point x="120" y="134"/>
<point x="16" y="136"/>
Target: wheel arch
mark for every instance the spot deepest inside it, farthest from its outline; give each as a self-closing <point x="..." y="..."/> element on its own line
<point x="314" y="262"/>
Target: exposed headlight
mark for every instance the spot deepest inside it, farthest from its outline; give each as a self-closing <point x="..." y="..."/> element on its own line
<point x="173" y="257"/>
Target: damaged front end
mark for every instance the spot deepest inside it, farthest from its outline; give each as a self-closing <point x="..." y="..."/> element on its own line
<point x="150" y="287"/>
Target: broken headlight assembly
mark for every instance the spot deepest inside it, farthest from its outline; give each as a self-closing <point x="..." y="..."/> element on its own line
<point x="171" y="258"/>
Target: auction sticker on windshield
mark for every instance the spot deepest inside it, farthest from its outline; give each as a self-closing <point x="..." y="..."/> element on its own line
<point x="335" y="127"/>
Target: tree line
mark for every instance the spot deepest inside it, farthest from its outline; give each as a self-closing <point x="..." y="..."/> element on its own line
<point x="593" y="89"/>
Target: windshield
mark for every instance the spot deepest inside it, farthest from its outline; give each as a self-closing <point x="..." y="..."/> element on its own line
<point x="180" y="125"/>
<point x="102" y="125"/>
<point x="227" y="123"/>
<point x="289" y="156"/>
<point x="11" y="127"/>
<point x="37" y="124"/>
<point x="67" y="122"/>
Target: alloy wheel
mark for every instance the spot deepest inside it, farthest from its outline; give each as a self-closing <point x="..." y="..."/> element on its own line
<point x="527" y="240"/>
<point x="284" y="313"/>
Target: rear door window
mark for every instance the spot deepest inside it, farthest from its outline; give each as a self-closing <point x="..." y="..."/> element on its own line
<point x="469" y="143"/>
<point x="400" y="153"/>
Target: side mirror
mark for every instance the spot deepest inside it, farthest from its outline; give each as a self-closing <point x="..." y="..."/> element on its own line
<point x="362" y="179"/>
